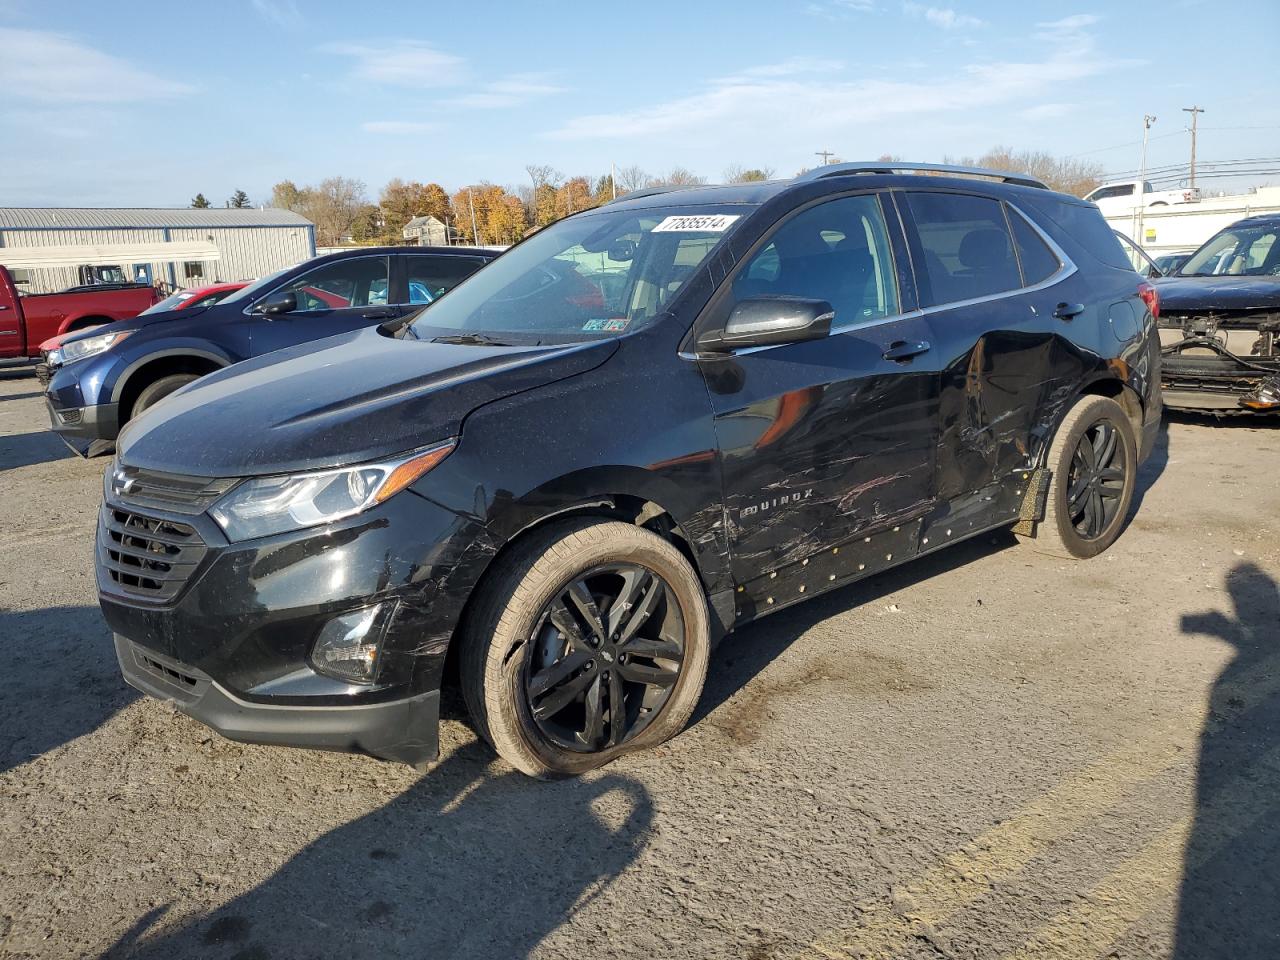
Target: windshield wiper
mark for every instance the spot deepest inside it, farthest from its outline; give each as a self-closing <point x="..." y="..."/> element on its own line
<point x="472" y="340"/>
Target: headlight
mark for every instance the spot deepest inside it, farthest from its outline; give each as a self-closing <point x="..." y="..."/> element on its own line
<point x="79" y="349"/>
<point x="269" y="505"/>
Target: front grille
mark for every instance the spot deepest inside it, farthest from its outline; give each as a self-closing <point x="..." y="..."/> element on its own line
<point x="145" y="556"/>
<point x="166" y="491"/>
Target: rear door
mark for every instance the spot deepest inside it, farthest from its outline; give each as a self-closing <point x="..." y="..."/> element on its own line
<point x="335" y="297"/>
<point x="828" y="445"/>
<point x="428" y="277"/>
<point x="989" y="282"/>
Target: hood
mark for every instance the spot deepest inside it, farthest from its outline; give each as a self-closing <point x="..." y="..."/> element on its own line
<point x="132" y="323"/>
<point x="1218" y="293"/>
<point x="347" y="399"/>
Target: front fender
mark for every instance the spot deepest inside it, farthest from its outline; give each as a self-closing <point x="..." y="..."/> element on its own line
<point x="131" y="361"/>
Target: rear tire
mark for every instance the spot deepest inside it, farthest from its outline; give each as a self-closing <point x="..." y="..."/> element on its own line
<point x="519" y="655"/>
<point x="153" y="393"/>
<point x="1094" y="464"/>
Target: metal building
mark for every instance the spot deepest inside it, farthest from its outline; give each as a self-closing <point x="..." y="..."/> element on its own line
<point x="50" y="249"/>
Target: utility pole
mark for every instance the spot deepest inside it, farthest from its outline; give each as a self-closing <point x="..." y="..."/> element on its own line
<point x="475" y="227"/>
<point x="1147" y="121"/>
<point x="1195" y="112"/>
<point x="826" y="156"/>
<point x="613" y="180"/>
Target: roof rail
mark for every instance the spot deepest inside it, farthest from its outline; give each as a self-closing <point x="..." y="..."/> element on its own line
<point x="648" y="192"/>
<point x="844" y="169"/>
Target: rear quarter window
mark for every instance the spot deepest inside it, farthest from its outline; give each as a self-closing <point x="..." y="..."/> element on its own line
<point x="1084" y="224"/>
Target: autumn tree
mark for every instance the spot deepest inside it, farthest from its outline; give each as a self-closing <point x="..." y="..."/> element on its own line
<point x="604" y="189"/>
<point x="285" y="195"/>
<point x="239" y="200"/>
<point x="499" y="215"/>
<point x="678" y="177"/>
<point x="632" y="178"/>
<point x="545" y="202"/>
<point x="435" y="203"/>
<point x="368" y="225"/>
<point x="199" y="202"/>
<point x="541" y="173"/>
<point x="1064" y="174"/>
<point x="737" y="173"/>
<point x="575" y="195"/>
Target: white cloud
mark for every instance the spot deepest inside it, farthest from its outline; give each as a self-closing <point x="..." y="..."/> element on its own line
<point x="793" y="66"/>
<point x="840" y="9"/>
<point x="1071" y="24"/>
<point x="1047" y="111"/>
<point x="797" y="107"/>
<point x="507" y="92"/>
<point x="398" y="127"/>
<point x="38" y="65"/>
<point x="417" y="65"/>
<point x="399" y="63"/>
<point x="283" y="13"/>
<point x="944" y="18"/>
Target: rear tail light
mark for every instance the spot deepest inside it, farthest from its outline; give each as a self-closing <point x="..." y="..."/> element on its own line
<point x="1151" y="297"/>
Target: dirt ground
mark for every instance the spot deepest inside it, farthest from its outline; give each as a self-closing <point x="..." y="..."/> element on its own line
<point x="985" y="754"/>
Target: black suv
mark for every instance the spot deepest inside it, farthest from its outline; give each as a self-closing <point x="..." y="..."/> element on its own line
<point x="641" y="428"/>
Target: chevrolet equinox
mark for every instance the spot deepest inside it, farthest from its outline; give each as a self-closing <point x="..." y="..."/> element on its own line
<point x="640" y="429"/>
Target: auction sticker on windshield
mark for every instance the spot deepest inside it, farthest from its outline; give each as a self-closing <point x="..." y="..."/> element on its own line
<point x="706" y="223"/>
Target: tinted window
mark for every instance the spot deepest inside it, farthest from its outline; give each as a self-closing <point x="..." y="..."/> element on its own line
<point x="432" y="277"/>
<point x="965" y="245"/>
<point x="1038" y="261"/>
<point x="357" y="282"/>
<point x="837" y="251"/>
<point x="1084" y="223"/>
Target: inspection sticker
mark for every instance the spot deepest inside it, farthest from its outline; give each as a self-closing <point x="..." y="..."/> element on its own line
<point x="608" y="326"/>
<point x="706" y="223"/>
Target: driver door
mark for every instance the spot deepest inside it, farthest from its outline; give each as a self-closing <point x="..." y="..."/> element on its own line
<point x="828" y="446"/>
<point x="334" y="298"/>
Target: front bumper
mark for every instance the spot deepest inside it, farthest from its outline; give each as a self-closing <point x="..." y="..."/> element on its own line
<point x="1214" y="384"/>
<point x="227" y="631"/>
<point x="404" y="730"/>
<point x="86" y="430"/>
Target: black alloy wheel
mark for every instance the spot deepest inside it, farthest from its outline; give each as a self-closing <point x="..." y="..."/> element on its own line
<point x="605" y="654"/>
<point x="1096" y="481"/>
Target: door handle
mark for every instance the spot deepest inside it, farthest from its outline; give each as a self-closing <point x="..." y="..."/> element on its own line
<point x="378" y="313"/>
<point x="1068" y="311"/>
<point x="903" y="350"/>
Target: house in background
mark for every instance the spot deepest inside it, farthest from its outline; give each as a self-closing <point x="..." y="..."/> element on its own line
<point x="426" y="232"/>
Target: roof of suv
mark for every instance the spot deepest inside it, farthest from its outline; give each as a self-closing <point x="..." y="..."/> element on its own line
<point x="839" y="177"/>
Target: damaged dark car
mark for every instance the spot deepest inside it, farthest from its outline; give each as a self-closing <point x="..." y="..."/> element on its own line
<point x="640" y="429"/>
<point x="1220" y="323"/>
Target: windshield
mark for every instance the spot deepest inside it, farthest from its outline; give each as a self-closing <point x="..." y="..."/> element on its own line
<point x="593" y="275"/>
<point x="258" y="286"/>
<point x="1237" y="252"/>
<point x="171" y="302"/>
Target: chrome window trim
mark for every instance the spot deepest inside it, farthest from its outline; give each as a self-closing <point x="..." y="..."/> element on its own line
<point x="248" y="311"/>
<point x="1066" y="268"/>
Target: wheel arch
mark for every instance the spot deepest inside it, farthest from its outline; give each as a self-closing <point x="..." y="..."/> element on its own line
<point x="72" y="324"/>
<point x="602" y="500"/>
<point x="147" y="369"/>
<point x="1106" y="384"/>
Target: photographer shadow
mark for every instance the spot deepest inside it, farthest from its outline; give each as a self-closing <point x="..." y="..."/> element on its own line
<point x="1229" y="902"/>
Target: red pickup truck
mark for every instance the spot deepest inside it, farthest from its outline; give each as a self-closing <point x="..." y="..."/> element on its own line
<point x="27" y="321"/>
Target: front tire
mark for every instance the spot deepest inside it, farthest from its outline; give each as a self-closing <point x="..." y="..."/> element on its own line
<point x="587" y="641"/>
<point x="1094" y="464"/>
<point x="153" y="393"/>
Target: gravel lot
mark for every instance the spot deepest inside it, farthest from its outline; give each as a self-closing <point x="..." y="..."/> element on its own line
<point x="988" y="753"/>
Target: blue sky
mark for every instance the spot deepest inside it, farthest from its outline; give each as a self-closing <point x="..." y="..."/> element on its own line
<point x="146" y="103"/>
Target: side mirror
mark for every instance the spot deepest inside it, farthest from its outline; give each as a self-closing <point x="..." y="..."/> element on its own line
<point x="1153" y="271"/>
<point x="764" y="321"/>
<point x="278" y="303"/>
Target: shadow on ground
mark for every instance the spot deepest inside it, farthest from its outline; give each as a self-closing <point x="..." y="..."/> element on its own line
<point x="25" y="449"/>
<point x="464" y="864"/>
<point x="61" y="680"/>
<point x="1229" y="904"/>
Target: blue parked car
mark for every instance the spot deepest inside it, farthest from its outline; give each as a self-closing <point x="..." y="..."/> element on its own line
<point x="102" y="379"/>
